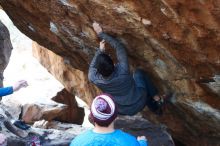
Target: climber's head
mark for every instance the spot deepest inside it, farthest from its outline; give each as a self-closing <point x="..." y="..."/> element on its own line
<point x="104" y="65"/>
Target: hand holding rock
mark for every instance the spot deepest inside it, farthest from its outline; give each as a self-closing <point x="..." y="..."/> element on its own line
<point x="97" y="28"/>
<point x="102" y="45"/>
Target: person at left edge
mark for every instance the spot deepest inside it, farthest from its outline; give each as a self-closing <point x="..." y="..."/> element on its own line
<point x="11" y="89"/>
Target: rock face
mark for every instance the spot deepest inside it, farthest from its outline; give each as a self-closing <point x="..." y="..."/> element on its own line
<point x="54" y="133"/>
<point x="57" y="134"/>
<point x="73" y="113"/>
<point x="74" y="80"/>
<point x="156" y="134"/>
<point x="177" y="42"/>
<point x="36" y="112"/>
<point x="32" y="112"/>
<point x="5" y="49"/>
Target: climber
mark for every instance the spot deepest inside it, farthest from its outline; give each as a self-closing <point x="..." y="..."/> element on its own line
<point x="103" y="114"/>
<point x="17" y="86"/>
<point x="131" y="92"/>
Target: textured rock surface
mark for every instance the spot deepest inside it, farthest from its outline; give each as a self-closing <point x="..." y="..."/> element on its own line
<point x="58" y="134"/>
<point x="136" y="125"/>
<point x="36" y="112"/>
<point x="73" y="113"/>
<point x="32" y="112"/>
<point x="74" y="80"/>
<point x="177" y="42"/>
<point x="5" y="49"/>
<point x="54" y="133"/>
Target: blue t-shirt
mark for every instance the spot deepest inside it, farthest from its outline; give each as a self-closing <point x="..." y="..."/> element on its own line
<point x="6" y="91"/>
<point x="116" y="138"/>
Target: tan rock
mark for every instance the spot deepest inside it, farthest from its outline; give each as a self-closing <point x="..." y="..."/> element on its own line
<point x="36" y="112"/>
<point x="72" y="114"/>
<point x="41" y="124"/>
<point x="70" y="77"/>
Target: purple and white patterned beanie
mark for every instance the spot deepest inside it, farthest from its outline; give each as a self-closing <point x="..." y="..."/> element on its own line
<point x="103" y="110"/>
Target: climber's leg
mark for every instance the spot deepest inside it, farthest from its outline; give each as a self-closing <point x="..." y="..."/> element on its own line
<point x="143" y="81"/>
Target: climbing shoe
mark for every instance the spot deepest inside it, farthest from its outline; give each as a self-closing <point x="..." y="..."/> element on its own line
<point x="21" y="125"/>
<point x="13" y="129"/>
<point x="161" y="103"/>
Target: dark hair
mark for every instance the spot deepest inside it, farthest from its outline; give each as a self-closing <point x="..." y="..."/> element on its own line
<point x="104" y="65"/>
<point x="102" y="123"/>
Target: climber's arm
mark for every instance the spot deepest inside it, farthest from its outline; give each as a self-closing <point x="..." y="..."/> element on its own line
<point x="120" y="49"/>
<point x="6" y="91"/>
<point x="92" y="70"/>
<point x="17" y="86"/>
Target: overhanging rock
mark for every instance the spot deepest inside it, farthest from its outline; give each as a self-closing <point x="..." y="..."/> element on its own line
<point x="177" y="42"/>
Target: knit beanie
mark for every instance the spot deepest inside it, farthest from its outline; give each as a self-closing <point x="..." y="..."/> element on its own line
<point x="103" y="110"/>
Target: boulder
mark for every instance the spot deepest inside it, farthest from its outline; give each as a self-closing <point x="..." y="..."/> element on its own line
<point x="31" y="112"/>
<point x="58" y="134"/>
<point x="75" y="81"/>
<point x="73" y="113"/>
<point x="5" y="49"/>
<point x="176" y="42"/>
<point x="54" y="133"/>
<point x="156" y="134"/>
<point x="36" y="112"/>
